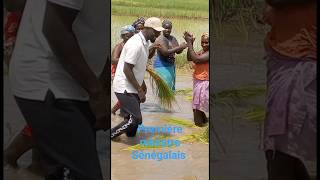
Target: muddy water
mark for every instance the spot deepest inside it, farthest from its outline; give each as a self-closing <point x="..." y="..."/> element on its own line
<point x="238" y="62"/>
<point x="123" y="167"/>
<point x="196" y="165"/>
<point x="243" y="159"/>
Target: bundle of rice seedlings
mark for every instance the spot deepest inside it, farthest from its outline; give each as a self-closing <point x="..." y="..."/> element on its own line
<point x="161" y="89"/>
<point x="205" y="136"/>
<point x="256" y="114"/>
<point x="241" y="93"/>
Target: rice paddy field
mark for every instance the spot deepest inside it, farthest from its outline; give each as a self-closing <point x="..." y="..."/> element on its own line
<point x="188" y="15"/>
<point x="164" y="8"/>
<point x="237" y="81"/>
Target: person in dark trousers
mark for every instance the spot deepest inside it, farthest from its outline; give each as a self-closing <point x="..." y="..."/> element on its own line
<point x="128" y="83"/>
<point x="126" y="33"/>
<point x="54" y="75"/>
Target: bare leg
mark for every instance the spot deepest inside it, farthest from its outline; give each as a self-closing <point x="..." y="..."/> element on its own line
<point x="200" y="118"/>
<point x="115" y="108"/>
<point x="17" y="148"/>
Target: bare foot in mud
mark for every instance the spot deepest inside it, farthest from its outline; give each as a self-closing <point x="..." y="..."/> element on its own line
<point x="116" y="139"/>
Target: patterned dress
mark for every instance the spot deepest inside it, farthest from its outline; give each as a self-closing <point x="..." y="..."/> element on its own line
<point x="201" y="87"/>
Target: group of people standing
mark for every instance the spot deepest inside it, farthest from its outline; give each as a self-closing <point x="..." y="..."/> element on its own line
<point x="47" y="100"/>
<point x="130" y="57"/>
<point x="56" y="53"/>
<point x="59" y="83"/>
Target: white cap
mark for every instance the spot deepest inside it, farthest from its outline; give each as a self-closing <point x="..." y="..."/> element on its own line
<point x="154" y="23"/>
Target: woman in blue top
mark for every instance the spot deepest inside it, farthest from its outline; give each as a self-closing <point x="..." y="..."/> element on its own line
<point x="165" y="60"/>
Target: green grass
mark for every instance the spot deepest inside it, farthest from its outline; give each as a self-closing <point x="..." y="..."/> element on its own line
<point x="196" y="26"/>
<point x="163" y="8"/>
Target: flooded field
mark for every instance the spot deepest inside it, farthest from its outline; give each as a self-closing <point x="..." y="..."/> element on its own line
<point x="196" y="164"/>
<point x="240" y="139"/>
<point x="235" y="64"/>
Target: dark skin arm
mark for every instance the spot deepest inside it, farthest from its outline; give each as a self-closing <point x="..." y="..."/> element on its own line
<point x="192" y="55"/>
<point x="175" y="44"/>
<point x="198" y="59"/>
<point x="153" y="48"/>
<point x="132" y="79"/>
<point x="67" y="50"/>
<point x="144" y="87"/>
<point x="165" y="51"/>
<point x="14" y="5"/>
<point x="116" y="53"/>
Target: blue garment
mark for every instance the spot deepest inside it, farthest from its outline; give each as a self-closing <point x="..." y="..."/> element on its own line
<point x="166" y="68"/>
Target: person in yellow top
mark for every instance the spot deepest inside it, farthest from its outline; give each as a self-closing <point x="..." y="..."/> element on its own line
<point x="200" y="59"/>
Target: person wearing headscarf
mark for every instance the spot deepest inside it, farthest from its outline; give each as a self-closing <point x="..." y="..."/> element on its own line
<point x="200" y="60"/>
<point x="138" y="24"/>
<point x="126" y="33"/>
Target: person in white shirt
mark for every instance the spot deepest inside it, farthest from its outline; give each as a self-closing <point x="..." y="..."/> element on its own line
<point x="54" y="75"/>
<point x="128" y="83"/>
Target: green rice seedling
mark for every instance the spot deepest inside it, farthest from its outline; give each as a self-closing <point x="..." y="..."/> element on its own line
<point x="187" y="91"/>
<point x="161" y="89"/>
<point x="255" y="114"/>
<point x="179" y="121"/>
<point x="242" y="93"/>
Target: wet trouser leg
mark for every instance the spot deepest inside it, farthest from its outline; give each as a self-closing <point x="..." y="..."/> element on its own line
<point x="130" y="105"/>
<point x="60" y="127"/>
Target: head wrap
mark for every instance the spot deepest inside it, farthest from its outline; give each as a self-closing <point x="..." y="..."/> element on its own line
<point x="141" y="20"/>
<point x="127" y="29"/>
<point x="205" y="35"/>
